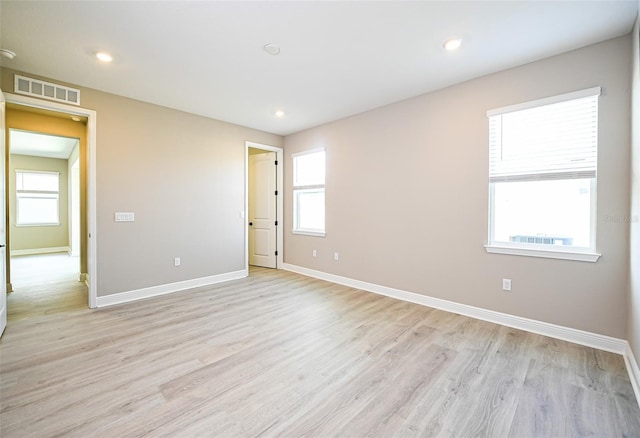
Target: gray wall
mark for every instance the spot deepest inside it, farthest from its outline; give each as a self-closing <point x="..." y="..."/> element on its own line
<point x="183" y="177"/>
<point x="406" y="196"/>
<point x="53" y="236"/>
<point x="633" y="332"/>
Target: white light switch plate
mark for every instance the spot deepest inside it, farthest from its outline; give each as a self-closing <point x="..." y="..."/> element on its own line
<point x="125" y="217"/>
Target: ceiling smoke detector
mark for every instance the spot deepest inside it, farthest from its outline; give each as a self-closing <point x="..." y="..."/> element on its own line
<point x="7" y="53"/>
<point x="272" y="49"/>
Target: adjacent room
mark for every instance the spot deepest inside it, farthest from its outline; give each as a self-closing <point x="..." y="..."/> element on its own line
<point x="328" y="219"/>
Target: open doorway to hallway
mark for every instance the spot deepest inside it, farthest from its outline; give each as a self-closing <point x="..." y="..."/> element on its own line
<point x="45" y="211"/>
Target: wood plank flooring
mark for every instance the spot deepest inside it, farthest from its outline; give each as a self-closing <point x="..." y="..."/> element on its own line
<point x="282" y="355"/>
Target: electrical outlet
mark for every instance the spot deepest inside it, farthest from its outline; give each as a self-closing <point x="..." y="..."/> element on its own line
<point x="336" y="257"/>
<point x="314" y="253"/>
<point x="176" y="261"/>
<point x="506" y="284"/>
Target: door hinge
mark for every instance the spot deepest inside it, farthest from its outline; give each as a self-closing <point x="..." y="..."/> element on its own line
<point x="276" y="252"/>
<point x="276" y="193"/>
<point x="276" y="162"/>
<point x="276" y="223"/>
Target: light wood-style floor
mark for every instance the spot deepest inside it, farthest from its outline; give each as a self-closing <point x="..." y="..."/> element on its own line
<point x="282" y="355"/>
<point x="45" y="284"/>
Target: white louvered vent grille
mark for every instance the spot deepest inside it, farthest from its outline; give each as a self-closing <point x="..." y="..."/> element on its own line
<point x="46" y="90"/>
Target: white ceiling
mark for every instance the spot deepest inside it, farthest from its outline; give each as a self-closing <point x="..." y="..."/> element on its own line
<point x="337" y="58"/>
<point x="41" y="145"/>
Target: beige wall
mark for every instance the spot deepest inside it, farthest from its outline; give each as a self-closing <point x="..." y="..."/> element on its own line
<point x="54" y="236"/>
<point x="633" y="331"/>
<point x="407" y="194"/>
<point x="183" y="177"/>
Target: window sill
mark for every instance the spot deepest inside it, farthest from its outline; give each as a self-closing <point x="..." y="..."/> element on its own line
<point x="39" y="225"/>
<point x="309" y="233"/>
<point x="544" y="253"/>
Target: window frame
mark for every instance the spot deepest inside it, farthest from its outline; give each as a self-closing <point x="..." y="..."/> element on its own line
<point x="302" y="188"/>
<point x="45" y="194"/>
<point x="587" y="254"/>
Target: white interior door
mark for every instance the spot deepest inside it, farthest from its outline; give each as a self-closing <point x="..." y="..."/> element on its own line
<point x="262" y="210"/>
<point x="3" y="240"/>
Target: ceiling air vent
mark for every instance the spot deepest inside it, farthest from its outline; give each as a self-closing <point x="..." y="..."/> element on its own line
<point x="46" y="90"/>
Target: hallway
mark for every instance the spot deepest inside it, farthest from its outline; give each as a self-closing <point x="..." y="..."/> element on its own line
<point x="45" y="284"/>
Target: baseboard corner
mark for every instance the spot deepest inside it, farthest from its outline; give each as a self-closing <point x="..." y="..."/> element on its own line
<point x="633" y="370"/>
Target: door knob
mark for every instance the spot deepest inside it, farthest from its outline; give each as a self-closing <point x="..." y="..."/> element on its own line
<point x="250" y="224"/>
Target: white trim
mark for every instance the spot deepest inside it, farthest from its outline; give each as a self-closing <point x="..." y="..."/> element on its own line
<point x="595" y="91"/>
<point x="32" y="251"/>
<point x="633" y="370"/>
<point x="544" y="253"/>
<point x="163" y="289"/>
<point x="576" y="336"/>
<point x="92" y="252"/>
<point x="309" y="233"/>
<point x="3" y="319"/>
<point x="279" y="201"/>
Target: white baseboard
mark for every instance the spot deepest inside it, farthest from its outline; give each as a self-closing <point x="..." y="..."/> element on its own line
<point x="3" y="318"/>
<point x="34" y="251"/>
<point x="147" y="292"/>
<point x="633" y="370"/>
<point x="581" y="337"/>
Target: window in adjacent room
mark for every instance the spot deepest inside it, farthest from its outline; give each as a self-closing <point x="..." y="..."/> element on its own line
<point x="308" y="192"/>
<point x="37" y="197"/>
<point x="542" y="177"/>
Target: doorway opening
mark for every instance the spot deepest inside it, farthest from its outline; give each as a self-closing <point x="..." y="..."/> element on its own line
<point x="77" y="256"/>
<point x="263" y="206"/>
<point x="44" y="204"/>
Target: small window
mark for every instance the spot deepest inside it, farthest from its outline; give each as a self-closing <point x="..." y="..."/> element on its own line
<point x="308" y="193"/>
<point x="37" y="198"/>
<point x="542" y="177"/>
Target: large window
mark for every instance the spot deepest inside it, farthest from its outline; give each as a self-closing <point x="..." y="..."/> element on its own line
<point x="308" y="193"/>
<point x="542" y="177"/>
<point x="37" y="196"/>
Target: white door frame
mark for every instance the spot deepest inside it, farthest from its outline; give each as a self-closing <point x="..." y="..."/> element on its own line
<point x="91" y="115"/>
<point x="279" y="203"/>
<point x="3" y="227"/>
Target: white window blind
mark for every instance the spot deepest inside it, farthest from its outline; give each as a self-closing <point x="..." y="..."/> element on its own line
<point x="548" y="139"/>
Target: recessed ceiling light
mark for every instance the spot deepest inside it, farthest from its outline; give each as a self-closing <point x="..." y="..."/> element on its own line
<point x="272" y="49"/>
<point x="104" y="57"/>
<point x="279" y="113"/>
<point x="452" y="44"/>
